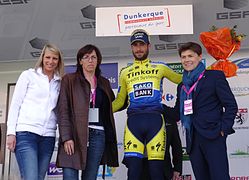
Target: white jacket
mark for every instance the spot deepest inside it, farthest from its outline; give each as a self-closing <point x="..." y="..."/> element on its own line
<point x="33" y="103"/>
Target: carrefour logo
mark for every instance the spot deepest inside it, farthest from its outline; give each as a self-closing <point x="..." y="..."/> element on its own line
<point x="169" y="97"/>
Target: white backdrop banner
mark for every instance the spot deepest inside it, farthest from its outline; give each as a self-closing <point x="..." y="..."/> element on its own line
<point x="121" y="21"/>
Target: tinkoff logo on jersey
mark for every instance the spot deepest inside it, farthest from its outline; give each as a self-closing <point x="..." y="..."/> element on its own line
<point x="142" y="73"/>
<point x="143" y="89"/>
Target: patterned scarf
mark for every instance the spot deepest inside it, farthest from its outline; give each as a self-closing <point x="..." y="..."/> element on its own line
<point x="188" y="79"/>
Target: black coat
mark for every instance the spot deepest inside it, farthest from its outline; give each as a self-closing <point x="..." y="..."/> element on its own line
<point x="173" y="144"/>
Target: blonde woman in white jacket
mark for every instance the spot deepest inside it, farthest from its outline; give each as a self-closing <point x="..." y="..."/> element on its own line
<point x="32" y="121"/>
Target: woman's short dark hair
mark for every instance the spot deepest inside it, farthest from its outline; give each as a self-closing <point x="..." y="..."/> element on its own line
<point x="190" y="46"/>
<point x="89" y="48"/>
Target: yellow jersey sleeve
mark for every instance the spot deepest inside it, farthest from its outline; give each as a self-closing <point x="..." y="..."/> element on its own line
<point x="172" y="75"/>
<point x="122" y="93"/>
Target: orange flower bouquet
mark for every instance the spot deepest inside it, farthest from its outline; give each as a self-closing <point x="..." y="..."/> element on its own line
<point x="221" y="43"/>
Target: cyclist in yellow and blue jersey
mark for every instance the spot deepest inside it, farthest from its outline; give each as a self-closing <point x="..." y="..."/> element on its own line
<point x="141" y="82"/>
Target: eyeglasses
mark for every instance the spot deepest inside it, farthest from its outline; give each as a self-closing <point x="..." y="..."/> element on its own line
<point x="93" y="58"/>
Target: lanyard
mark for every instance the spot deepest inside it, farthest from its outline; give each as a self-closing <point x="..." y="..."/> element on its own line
<point x="93" y="94"/>
<point x="193" y="86"/>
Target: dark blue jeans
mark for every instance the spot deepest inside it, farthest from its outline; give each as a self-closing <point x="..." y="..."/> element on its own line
<point x="33" y="153"/>
<point x="94" y="154"/>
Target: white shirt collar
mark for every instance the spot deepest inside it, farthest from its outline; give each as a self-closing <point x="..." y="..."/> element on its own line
<point x="56" y="76"/>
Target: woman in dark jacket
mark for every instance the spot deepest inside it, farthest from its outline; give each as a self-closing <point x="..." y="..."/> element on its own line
<point x="85" y="118"/>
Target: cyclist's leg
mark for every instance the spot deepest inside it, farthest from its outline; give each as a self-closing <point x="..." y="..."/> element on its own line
<point x="156" y="139"/>
<point x="133" y="148"/>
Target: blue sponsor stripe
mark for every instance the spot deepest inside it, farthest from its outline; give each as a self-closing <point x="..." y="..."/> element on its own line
<point x="133" y="154"/>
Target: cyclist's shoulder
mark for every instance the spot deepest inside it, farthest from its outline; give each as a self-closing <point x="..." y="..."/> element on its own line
<point x="159" y="64"/>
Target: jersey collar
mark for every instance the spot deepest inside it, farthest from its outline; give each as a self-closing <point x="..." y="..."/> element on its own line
<point x="141" y="62"/>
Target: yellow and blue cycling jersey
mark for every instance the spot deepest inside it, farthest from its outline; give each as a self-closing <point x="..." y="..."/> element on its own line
<point x="142" y="82"/>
